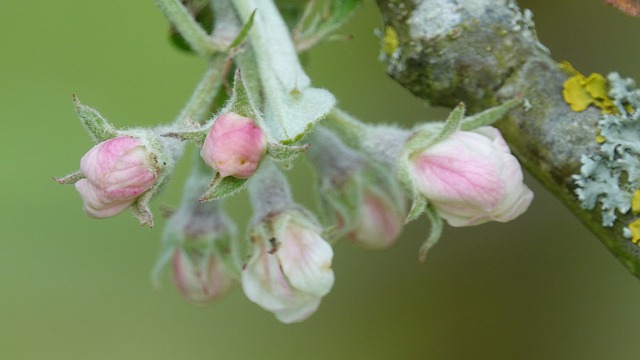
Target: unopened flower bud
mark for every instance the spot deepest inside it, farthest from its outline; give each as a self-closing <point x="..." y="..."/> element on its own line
<point x="379" y="223"/>
<point x="199" y="241"/>
<point x="234" y="146"/>
<point x="290" y="269"/>
<point x="361" y="196"/>
<point x="201" y="278"/>
<point x="116" y="172"/>
<point x="471" y="177"/>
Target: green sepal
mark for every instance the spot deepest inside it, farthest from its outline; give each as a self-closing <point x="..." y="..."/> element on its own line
<point x="418" y="206"/>
<point x="243" y="32"/>
<point x="96" y="125"/>
<point x="195" y="136"/>
<point x="285" y="155"/>
<point x="140" y="209"/>
<point x="429" y="134"/>
<point x="340" y="207"/>
<point x="452" y="124"/>
<point x="70" y="179"/>
<point x="222" y="187"/>
<point x="489" y="116"/>
<point x="241" y="101"/>
<point x="434" y="233"/>
<point x="162" y="164"/>
<point x="170" y="240"/>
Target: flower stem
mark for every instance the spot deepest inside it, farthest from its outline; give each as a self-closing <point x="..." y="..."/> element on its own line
<point x="188" y="27"/>
<point x="197" y="108"/>
<point x="269" y="191"/>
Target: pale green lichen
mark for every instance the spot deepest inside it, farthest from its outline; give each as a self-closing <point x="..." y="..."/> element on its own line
<point x="611" y="175"/>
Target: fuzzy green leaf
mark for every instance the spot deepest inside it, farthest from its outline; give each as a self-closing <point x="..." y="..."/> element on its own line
<point x="289" y="116"/>
<point x="223" y="187"/>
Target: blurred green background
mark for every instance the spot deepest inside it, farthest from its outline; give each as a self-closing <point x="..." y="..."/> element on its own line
<point x="71" y="287"/>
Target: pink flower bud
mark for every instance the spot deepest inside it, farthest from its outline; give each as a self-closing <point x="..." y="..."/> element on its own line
<point x="116" y="172"/>
<point x="380" y="223"/>
<point x="290" y="269"/>
<point x="234" y="146"/>
<point x="201" y="280"/>
<point x="471" y="178"/>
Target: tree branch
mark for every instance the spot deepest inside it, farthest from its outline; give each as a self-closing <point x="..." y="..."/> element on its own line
<point x="484" y="52"/>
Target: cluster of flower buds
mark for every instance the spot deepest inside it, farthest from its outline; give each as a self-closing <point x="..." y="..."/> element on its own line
<point x="459" y="171"/>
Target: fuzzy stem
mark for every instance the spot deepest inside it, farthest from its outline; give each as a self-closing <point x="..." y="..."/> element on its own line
<point x="188" y="27"/>
<point x="346" y="126"/>
<point x="198" y="107"/>
<point x="483" y="53"/>
<point x="269" y="191"/>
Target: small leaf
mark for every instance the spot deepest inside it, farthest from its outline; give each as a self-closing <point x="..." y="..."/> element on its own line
<point x="243" y="32"/>
<point x="223" y="187"/>
<point x="286" y="155"/>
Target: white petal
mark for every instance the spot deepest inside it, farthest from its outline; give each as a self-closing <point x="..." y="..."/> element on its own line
<point x="264" y="283"/>
<point x="298" y="313"/>
<point x="306" y="259"/>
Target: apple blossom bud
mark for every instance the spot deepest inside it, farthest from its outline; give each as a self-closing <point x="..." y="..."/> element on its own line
<point x="471" y="177"/>
<point x="379" y="224"/>
<point x="290" y="269"/>
<point x="362" y="197"/>
<point x="234" y="146"/>
<point x="116" y="172"/>
<point x="201" y="278"/>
